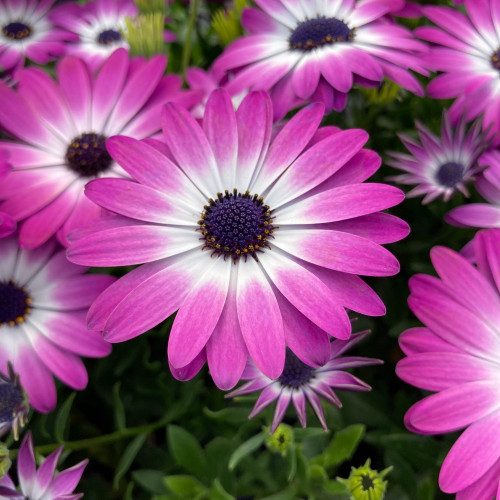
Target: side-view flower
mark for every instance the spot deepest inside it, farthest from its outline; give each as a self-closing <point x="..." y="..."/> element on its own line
<point x="457" y="355"/>
<point x="241" y="235"/>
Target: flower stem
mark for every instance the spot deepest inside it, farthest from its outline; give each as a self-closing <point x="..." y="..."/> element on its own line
<point x="186" y="51"/>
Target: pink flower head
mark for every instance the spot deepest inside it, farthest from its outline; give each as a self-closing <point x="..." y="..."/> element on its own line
<point x="43" y="303"/>
<point x="42" y="484"/>
<point x="7" y="223"/>
<point x="97" y="26"/>
<point x="457" y="355"/>
<point x="300" y="382"/>
<point x="488" y="184"/>
<point x="61" y="128"/>
<point x="317" y="50"/>
<point x="440" y="167"/>
<point x="246" y="237"/>
<point x="467" y="52"/>
<point x="26" y="31"/>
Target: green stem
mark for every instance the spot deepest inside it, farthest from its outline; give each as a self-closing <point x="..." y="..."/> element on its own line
<point x="186" y="51"/>
<point x="105" y="438"/>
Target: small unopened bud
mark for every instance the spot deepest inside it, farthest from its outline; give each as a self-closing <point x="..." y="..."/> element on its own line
<point x="151" y="6"/>
<point x="365" y="483"/>
<point x="144" y="34"/>
<point x="385" y="93"/>
<point x="14" y="404"/>
<point x="281" y="440"/>
<point x="5" y="461"/>
<point x="227" y="22"/>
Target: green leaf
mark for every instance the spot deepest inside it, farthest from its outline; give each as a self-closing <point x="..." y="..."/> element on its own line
<point x="289" y="494"/>
<point x="218" y="492"/>
<point x="128" y="457"/>
<point x="335" y="487"/>
<point x="317" y="473"/>
<point x="229" y="415"/>
<point x="343" y="445"/>
<point x="291" y="458"/>
<point x="62" y="418"/>
<point x="187" y="451"/>
<point x="187" y="486"/>
<point x="308" y="432"/>
<point x="118" y="409"/>
<point x="245" y="449"/>
<point x="150" y="480"/>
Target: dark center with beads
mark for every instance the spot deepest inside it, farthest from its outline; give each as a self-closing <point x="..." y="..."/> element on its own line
<point x="14" y="303"/>
<point x="317" y="32"/>
<point x="16" y="31"/>
<point x="495" y="60"/>
<point x="449" y="174"/>
<point x="11" y="397"/>
<point x="108" y="37"/>
<point x="296" y="373"/>
<point x="87" y="155"/>
<point x="236" y="225"/>
<point x="367" y="482"/>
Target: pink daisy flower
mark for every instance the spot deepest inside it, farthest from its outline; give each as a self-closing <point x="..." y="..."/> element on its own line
<point x="43" y="303"/>
<point x="457" y="355"/>
<point x="488" y="184"/>
<point x="61" y="128"/>
<point x="440" y="167"/>
<point x="317" y="50"/>
<point x="467" y="52"/>
<point x="41" y="484"/>
<point x="242" y="236"/>
<point x="7" y="223"/>
<point x="99" y="26"/>
<point x="26" y="31"/>
<point x="300" y="382"/>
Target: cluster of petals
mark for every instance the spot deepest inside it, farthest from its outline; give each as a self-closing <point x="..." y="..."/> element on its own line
<point x="45" y="299"/>
<point x="44" y="483"/>
<point x="7" y="223"/>
<point x="457" y="355"/>
<point x="97" y="26"/>
<point x="48" y="119"/>
<point x="466" y="49"/>
<point x="440" y="166"/>
<point x="294" y="290"/>
<point x="484" y="215"/>
<point x="26" y="31"/>
<point x="317" y="50"/>
<point x="300" y="383"/>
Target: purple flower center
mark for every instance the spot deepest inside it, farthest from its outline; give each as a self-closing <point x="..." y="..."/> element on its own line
<point x="11" y="398"/>
<point x="87" y="155"/>
<point x="236" y="225"/>
<point x="14" y="303"/>
<point x="16" y="31"/>
<point x="296" y="373"/>
<point x="450" y="174"/>
<point x="495" y="60"/>
<point x="108" y="37"/>
<point x="314" y="33"/>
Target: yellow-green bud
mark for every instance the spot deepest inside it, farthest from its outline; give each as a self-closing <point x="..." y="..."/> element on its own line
<point x="227" y="22"/>
<point x="280" y="441"/>
<point x="144" y="34"/>
<point x="385" y="93"/>
<point x="365" y="483"/>
<point x="5" y="461"/>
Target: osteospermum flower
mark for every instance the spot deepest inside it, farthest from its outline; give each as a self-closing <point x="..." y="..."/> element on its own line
<point x="467" y="52"/>
<point x="488" y="184"/>
<point x="300" y="382"/>
<point x="242" y="236"/>
<point x="7" y="223"/>
<point x="61" y="128"/>
<point x="317" y="50"/>
<point x="43" y="303"/>
<point x="440" y="167"/>
<point x="14" y="404"/>
<point x="26" y="31"/>
<point x="98" y="26"/>
<point x="41" y="484"/>
<point x="457" y="355"/>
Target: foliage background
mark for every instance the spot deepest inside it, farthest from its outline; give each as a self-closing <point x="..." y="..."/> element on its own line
<point x="150" y="436"/>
